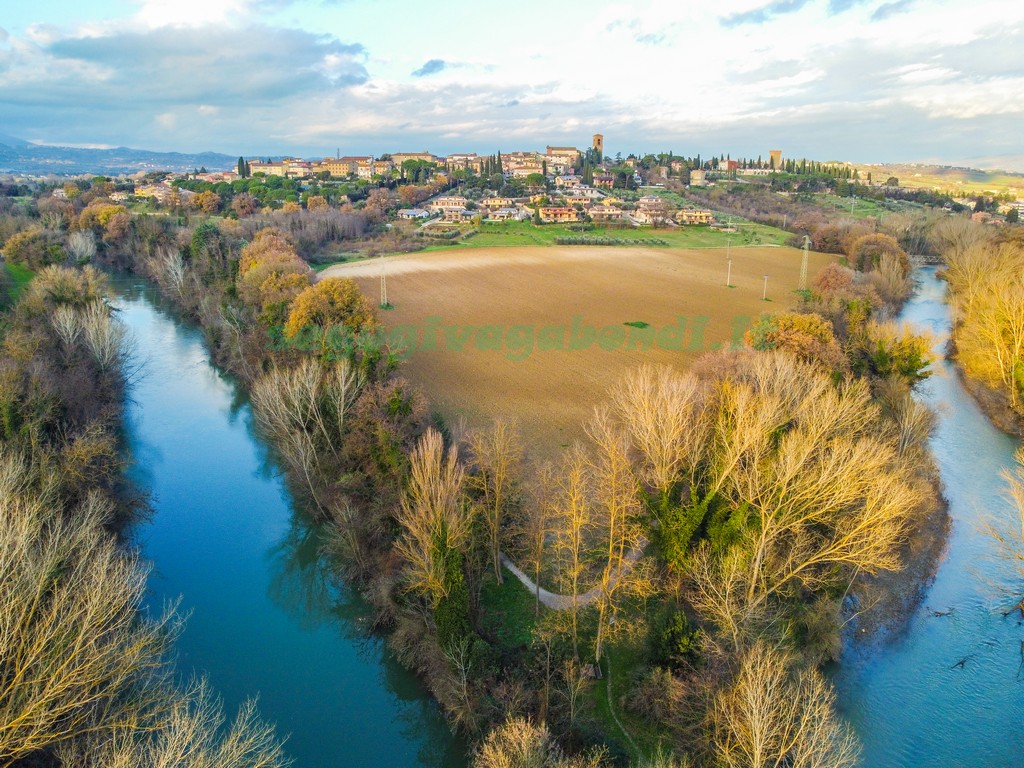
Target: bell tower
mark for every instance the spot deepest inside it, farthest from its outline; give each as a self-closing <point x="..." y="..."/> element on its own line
<point x="599" y="144"/>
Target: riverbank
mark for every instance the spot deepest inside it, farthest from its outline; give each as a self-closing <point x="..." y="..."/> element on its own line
<point x="879" y="609"/>
<point x="993" y="402"/>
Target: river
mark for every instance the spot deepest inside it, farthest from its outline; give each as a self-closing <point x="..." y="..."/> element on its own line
<point x="264" y="618"/>
<point x="910" y="701"/>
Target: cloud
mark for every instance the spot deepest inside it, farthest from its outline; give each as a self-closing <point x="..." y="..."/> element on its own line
<point x="171" y="82"/>
<point x="432" y="67"/>
<point x="839" y="6"/>
<point x="651" y="38"/>
<point x="886" y="10"/>
<point x="764" y="13"/>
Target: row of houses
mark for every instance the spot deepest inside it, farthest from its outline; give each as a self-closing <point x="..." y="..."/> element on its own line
<point x="575" y="204"/>
<point x="555" y="161"/>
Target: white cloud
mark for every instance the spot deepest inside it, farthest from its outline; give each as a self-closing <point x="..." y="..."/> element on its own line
<point x="190" y="13"/>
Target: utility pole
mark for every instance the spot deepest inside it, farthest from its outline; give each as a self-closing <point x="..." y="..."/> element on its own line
<point x="728" y="275"/>
<point x="383" y="287"/>
<point x="803" y="264"/>
<point x="764" y="293"/>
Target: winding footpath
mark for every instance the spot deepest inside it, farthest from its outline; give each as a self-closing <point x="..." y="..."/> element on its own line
<point x="559" y="602"/>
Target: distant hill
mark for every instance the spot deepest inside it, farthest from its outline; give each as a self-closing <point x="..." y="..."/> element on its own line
<point x="957" y="180"/>
<point x="19" y="156"/>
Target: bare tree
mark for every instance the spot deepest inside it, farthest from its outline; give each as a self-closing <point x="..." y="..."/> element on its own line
<point x="665" y="416"/>
<point x="104" y="335"/>
<point x="619" y="513"/>
<point x="303" y="410"/>
<point x="191" y="733"/>
<point x="534" y="525"/>
<point x="573" y="520"/>
<point x="1009" y="534"/>
<point x="76" y="657"/>
<point x="81" y="245"/>
<point x="497" y="454"/>
<point x="773" y="715"/>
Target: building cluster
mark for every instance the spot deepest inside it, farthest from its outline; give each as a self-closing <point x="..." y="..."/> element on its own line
<point x="570" y="202"/>
<point x="554" y="161"/>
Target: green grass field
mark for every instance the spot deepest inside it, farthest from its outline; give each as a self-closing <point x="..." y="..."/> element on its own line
<point x="860" y="208"/>
<point x="17" y="278"/>
<point x="509" y="612"/>
<point x="522" y="233"/>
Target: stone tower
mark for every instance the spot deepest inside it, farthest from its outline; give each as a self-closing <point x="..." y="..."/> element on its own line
<point x="599" y="144"/>
<point x="776" y="155"/>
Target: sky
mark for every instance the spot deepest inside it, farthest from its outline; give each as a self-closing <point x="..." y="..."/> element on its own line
<point x="856" y="80"/>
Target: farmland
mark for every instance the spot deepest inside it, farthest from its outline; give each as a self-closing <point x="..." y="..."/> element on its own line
<point x="539" y="334"/>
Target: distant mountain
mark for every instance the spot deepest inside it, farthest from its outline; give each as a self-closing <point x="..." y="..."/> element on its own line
<point x="19" y="156"/>
<point x="11" y="142"/>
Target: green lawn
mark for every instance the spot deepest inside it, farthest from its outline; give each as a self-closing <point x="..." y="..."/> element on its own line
<point x="626" y="661"/>
<point x="861" y="208"/>
<point x="18" y="277"/>
<point x="522" y="233"/>
<point x="509" y="611"/>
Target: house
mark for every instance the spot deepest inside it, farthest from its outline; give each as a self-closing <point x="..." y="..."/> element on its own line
<point x="604" y="181"/>
<point x="447" y="202"/>
<point x="343" y="166"/>
<point x="557" y="166"/>
<point x="524" y="162"/>
<point x="607" y="213"/>
<point x="467" y="160"/>
<point x="565" y="154"/>
<point x="498" y="202"/>
<point x="507" y="214"/>
<point x="164" y="193"/>
<point x="697" y="178"/>
<point x="522" y="171"/>
<point x="650" y="201"/>
<point x="400" y="157"/>
<point x="574" y="200"/>
<point x="691" y="216"/>
<point x="570" y="180"/>
<point x="411" y="214"/>
<point x="268" y="169"/>
<point x="551" y="214"/>
<point x="456" y="215"/>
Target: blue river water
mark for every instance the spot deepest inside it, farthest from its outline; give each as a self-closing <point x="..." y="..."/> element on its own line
<point x="911" y="702"/>
<point x="264" y="618"/>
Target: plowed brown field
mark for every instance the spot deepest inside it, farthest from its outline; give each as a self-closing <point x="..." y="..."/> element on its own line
<point x="503" y="331"/>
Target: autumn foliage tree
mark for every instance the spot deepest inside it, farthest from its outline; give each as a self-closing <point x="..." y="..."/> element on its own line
<point x="335" y="301"/>
<point x="435" y="524"/>
<point x="986" y="281"/>
<point x="271" y="275"/>
<point x="808" y="336"/>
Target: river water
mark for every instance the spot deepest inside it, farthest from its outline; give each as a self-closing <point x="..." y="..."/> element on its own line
<point x="911" y="702"/>
<point x="263" y="617"/>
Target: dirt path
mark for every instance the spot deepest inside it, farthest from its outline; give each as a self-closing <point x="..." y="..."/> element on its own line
<point x="559" y="602"/>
